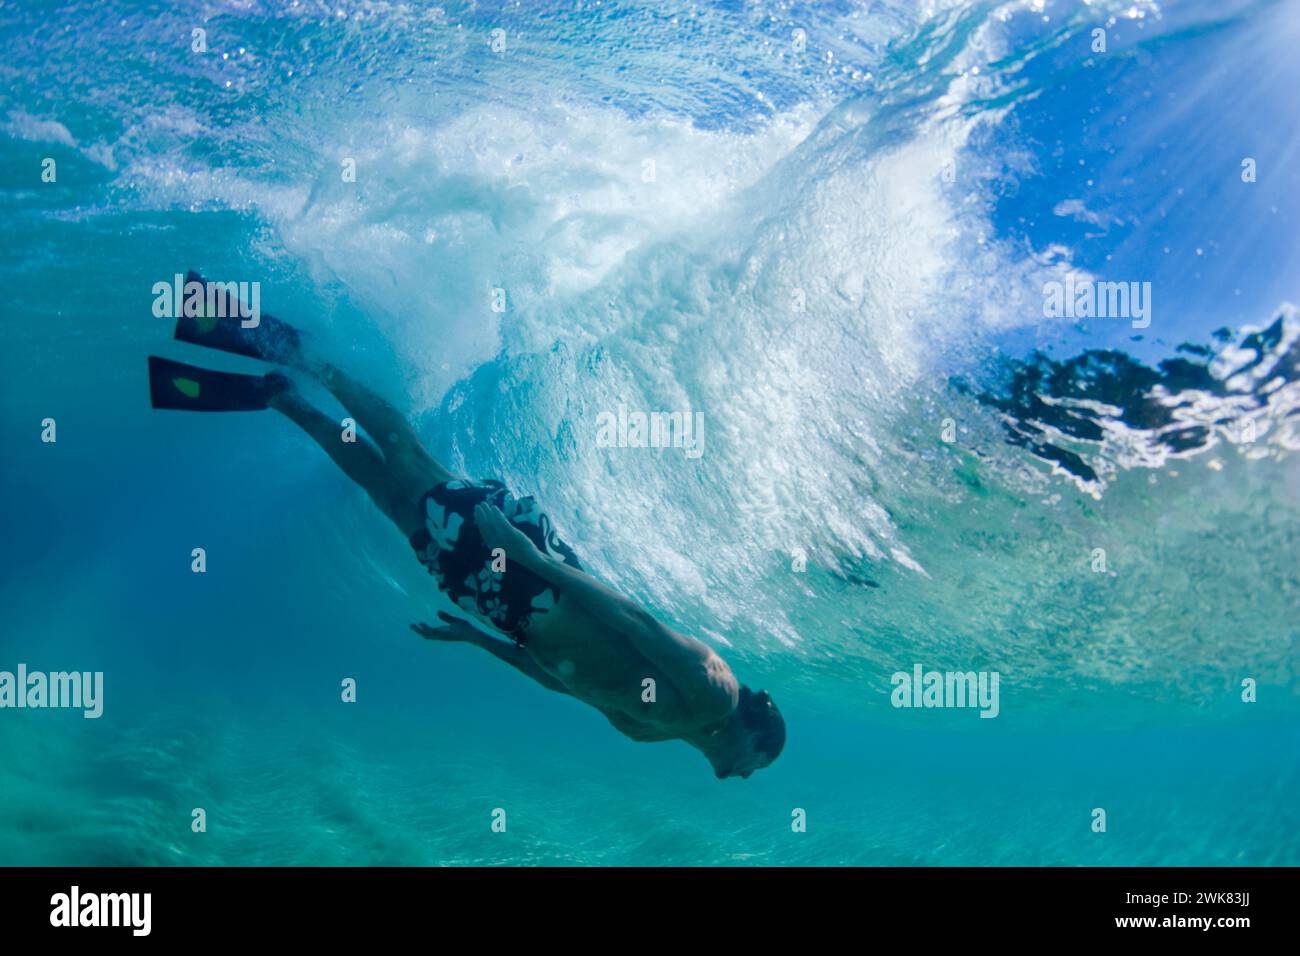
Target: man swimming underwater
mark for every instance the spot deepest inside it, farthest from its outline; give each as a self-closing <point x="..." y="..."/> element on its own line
<point x="496" y="556"/>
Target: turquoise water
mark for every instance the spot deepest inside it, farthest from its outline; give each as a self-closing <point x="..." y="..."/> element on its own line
<point x="775" y="169"/>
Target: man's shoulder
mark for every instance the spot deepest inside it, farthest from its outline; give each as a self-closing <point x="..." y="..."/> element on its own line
<point x="722" y="692"/>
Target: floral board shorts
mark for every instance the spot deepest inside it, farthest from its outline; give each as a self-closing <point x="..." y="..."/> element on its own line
<point x="451" y="548"/>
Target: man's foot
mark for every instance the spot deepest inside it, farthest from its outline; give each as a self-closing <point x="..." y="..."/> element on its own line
<point x="189" y="388"/>
<point x="225" y="322"/>
<point x="281" y="391"/>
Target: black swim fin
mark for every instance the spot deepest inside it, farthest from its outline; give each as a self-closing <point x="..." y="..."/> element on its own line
<point x="188" y="388"/>
<point x="220" y="325"/>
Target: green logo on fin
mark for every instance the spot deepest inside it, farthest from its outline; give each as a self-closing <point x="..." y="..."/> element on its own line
<point x="187" y="387"/>
<point x="205" y="322"/>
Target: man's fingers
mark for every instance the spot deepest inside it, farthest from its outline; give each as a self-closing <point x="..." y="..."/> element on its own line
<point x="457" y="627"/>
<point x="432" y="633"/>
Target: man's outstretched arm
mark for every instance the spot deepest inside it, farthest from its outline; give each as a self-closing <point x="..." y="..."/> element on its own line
<point x="461" y="631"/>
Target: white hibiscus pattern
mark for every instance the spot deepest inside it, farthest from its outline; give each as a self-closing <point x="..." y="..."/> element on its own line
<point x="444" y="528"/>
<point x="483" y="592"/>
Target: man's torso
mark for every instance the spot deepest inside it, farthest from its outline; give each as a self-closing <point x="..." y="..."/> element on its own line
<point x="601" y="668"/>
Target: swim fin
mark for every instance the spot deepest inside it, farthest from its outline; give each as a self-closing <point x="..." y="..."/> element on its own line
<point x="188" y="388"/>
<point x="220" y="325"/>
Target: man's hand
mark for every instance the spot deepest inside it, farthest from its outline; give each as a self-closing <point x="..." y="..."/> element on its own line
<point x="498" y="532"/>
<point x="453" y="629"/>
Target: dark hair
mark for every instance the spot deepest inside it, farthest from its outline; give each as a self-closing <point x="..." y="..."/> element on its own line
<point x="763" y="721"/>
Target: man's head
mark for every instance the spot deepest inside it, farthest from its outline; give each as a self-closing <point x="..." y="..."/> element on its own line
<point x="752" y="739"/>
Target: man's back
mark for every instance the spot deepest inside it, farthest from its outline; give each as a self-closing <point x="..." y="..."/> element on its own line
<point x="601" y="667"/>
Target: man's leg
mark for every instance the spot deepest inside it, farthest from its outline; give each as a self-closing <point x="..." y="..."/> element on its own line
<point x="409" y="462"/>
<point x="359" y="460"/>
